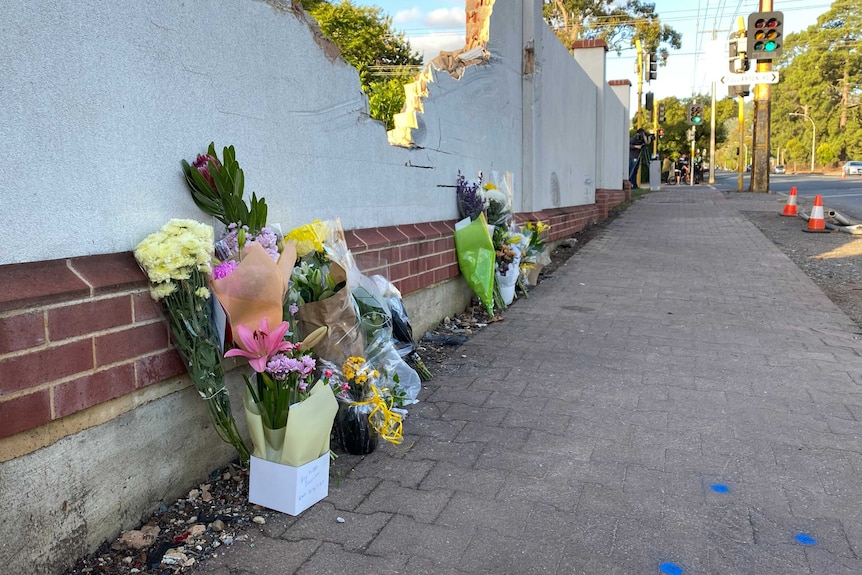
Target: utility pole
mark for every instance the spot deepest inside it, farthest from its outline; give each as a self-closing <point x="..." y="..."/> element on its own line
<point x="759" y="180"/>
<point x="640" y="74"/>
<point x="712" y="122"/>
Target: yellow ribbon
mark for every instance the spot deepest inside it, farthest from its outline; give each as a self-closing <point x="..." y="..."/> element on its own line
<point x="387" y="423"/>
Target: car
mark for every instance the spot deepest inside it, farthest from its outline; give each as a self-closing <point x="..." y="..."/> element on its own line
<point x="854" y="167"/>
<point x="779" y="169"/>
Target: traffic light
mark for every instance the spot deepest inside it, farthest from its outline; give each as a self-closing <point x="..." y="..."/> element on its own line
<point x="661" y="115"/>
<point x="737" y="54"/>
<point x="649" y="101"/>
<point x="765" y="35"/>
<point x="661" y="134"/>
<point x="649" y="116"/>
<point x="695" y="115"/>
<point x="652" y="66"/>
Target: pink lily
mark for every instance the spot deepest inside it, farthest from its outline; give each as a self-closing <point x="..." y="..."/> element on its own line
<point x="260" y="345"/>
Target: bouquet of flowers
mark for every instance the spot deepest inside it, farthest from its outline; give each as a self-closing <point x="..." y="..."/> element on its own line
<point x="177" y="261"/>
<point x="368" y="409"/>
<point x="217" y="189"/>
<point x="471" y="201"/>
<point x="320" y="288"/>
<point x="535" y="255"/>
<point x="289" y="420"/>
<point x="507" y="262"/>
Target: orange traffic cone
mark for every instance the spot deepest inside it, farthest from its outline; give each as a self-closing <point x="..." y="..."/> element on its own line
<point x="816" y="223"/>
<point x="790" y="206"/>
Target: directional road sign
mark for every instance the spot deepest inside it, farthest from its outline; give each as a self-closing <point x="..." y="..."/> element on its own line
<point x="750" y="78"/>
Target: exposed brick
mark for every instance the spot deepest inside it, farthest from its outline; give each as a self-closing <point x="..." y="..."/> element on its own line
<point x="428" y="230"/>
<point x="409" y="251"/>
<point x="93" y="389"/>
<point x="25" y="412"/>
<point x="409" y="285"/>
<point x="597" y="43"/>
<point x="110" y="272"/>
<point x="38" y="283"/>
<point x="45" y="365"/>
<point x="88" y="317"/>
<point x="159" y="367"/>
<point x="425" y="279"/>
<point x="22" y="331"/>
<point x="399" y="271"/>
<point x="131" y="343"/>
<point x="412" y="232"/>
<point x="433" y="262"/>
<point x="371" y="238"/>
<point x="145" y="308"/>
<point x="354" y="242"/>
<point x="444" y="244"/>
<point x="393" y="234"/>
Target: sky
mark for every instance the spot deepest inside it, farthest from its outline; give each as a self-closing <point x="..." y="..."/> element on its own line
<point x="434" y="25"/>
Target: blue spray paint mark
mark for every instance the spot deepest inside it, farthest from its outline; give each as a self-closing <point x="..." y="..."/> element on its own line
<point x="719" y="488"/>
<point x="805" y="539"/>
<point x="670" y="569"/>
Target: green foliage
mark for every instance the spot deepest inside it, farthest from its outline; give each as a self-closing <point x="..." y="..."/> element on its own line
<point x="386" y="98"/>
<point x="368" y="41"/>
<point x="675" y="140"/>
<point x="821" y="77"/>
<point x="615" y="23"/>
<point x="223" y="199"/>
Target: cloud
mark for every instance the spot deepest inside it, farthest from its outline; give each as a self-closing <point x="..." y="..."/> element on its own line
<point x="407" y="16"/>
<point x="446" y="18"/>
<point x="429" y="46"/>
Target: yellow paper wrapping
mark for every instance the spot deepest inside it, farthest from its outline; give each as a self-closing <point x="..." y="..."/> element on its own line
<point x="256" y="287"/>
<point x="306" y="435"/>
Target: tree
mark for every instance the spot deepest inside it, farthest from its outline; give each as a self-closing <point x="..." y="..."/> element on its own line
<point x="821" y="77"/>
<point x="368" y="41"/>
<point x="617" y="25"/>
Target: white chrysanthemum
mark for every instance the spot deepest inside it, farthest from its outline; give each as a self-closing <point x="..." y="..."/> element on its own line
<point x="162" y="290"/>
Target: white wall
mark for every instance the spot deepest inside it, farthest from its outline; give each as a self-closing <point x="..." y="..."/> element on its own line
<point x="565" y="154"/>
<point x="103" y="99"/>
<point x="616" y="141"/>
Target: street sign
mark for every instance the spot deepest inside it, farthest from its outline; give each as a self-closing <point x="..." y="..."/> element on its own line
<point x="750" y="78"/>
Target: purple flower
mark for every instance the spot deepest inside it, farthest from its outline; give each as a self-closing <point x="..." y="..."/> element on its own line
<point x="470" y="201"/>
<point x="281" y="366"/>
<point x="308" y="364"/>
<point x="201" y="164"/>
<point x="293" y="308"/>
<point x="224" y="269"/>
<point x="268" y="241"/>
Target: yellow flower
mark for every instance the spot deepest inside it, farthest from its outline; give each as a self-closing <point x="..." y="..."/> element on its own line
<point x="309" y="237"/>
<point x="162" y="290"/>
<point x="202" y="293"/>
<point x="489" y="186"/>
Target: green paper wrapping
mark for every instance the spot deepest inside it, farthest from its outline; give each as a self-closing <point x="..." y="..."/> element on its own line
<point x="476" y="259"/>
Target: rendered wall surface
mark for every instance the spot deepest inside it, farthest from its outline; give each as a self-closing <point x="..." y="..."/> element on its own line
<point x="103" y="99"/>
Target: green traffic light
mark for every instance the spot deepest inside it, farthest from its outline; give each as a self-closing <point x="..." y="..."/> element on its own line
<point x="770" y="46"/>
<point x="696" y="119"/>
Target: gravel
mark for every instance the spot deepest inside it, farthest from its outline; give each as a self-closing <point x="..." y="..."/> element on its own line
<point x="216" y="514"/>
<point x="832" y="260"/>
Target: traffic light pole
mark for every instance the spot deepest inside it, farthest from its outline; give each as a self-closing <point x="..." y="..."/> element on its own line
<point x="759" y="181"/>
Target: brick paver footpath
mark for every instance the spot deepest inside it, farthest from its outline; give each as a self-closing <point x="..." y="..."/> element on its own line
<point x="679" y="398"/>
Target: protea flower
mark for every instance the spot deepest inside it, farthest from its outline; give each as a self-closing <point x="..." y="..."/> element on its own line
<point x="201" y="164"/>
